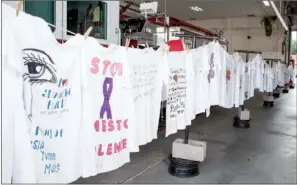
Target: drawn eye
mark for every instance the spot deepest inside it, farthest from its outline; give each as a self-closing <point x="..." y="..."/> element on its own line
<point x="41" y="68"/>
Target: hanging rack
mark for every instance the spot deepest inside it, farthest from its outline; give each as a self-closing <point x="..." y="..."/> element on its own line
<point x="203" y="37"/>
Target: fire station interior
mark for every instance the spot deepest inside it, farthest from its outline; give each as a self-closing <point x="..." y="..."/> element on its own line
<point x="263" y="153"/>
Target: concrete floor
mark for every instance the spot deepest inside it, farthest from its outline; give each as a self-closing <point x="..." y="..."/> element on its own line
<point x="265" y="153"/>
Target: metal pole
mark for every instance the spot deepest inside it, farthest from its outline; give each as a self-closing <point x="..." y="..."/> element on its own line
<point x="289" y="46"/>
<point x="187" y="132"/>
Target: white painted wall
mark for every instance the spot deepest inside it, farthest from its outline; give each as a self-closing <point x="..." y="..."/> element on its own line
<point x="236" y="31"/>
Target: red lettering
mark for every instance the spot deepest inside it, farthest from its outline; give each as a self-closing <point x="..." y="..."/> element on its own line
<point x="106" y="64"/>
<point x="119" y="124"/>
<point x="119" y="69"/>
<point x="109" y="68"/>
<point x="109" y="149"/>
<point x="126" y="124"/>
<point x="110" y="126"/>
<point x="112" y="148"/>
<point x="96" y="125"/>
<point x="100" y="152"/>
<point x="95" y="65"/>
<point x="113" y="69"/>
<point x="117" y="147"/>
<point x="124" y="144"/>
<point x="103" y="125"/>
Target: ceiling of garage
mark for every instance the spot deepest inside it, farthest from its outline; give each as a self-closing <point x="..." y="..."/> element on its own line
<point x="213" y="9"/>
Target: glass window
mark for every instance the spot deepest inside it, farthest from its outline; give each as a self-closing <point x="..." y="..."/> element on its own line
<point x="42" y="9"/>
<point x="83" y="14"/>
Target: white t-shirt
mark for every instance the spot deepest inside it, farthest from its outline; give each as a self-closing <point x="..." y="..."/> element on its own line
<point x="147" y="68"/>
<point x="247" y="80"/>
<point x="214" y="73"/>
<point x="252" y="78"/>
<point x="177" y="84"/>
<point x="201" y="83"/>
<point x="222" y="78"/>
<point x="230" y="77"/>
<point x="242" y="74"/>
<point x="259" y="72"/>
<point x="191" y="86"/>
<point x="52" y="100"/>
<point x="108" y="107"/>
<point x="236" y="95"/>
<point x="17" y="155"/>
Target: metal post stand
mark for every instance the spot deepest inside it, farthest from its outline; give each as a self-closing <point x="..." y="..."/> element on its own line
<point x="181" y="167"/>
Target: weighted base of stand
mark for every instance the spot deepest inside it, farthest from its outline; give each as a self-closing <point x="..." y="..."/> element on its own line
<point x="285" y="91"/>
<point x="183" y="168"/>
<point x="268" y="103"/>
<point x="292" y="87"/>
<point x="276" y="95"/>
<point x="241" y="123"/>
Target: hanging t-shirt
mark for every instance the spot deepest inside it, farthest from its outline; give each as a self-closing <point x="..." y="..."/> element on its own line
<point x="252" y="68"/>
<point x="242" y="74"/>
<point x="147" y="68"/>
<point x="230" y="77"/>
<point x="214" y="73"/>
<point x="17" y="155"/>
<point x="108" y="106"/>
<point x="191" y="86"/>
<point x="222" y="76"/>
<point x="52" y="98"/>
<point x="247" y="77"/>
<point x="178" y="71"/>
<point x="200" y="56"/>
<point x="259" y="72"/>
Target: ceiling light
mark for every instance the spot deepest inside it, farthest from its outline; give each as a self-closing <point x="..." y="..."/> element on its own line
<point x="266" y="3"/>
<point x="196" y="8"/>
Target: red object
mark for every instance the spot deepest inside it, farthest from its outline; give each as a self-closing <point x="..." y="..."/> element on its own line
<point x="133" y="43"/>
<point x="175" y="45"/>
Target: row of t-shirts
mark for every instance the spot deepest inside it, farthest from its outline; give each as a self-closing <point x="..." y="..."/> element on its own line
<point x="52" y="99"/>
<point x="86" y="106"/>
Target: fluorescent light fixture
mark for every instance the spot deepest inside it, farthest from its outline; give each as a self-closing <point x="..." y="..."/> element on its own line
<point x="279" y="15"/>
<point x="266" y="3"/>
<point x="196" y="8"/>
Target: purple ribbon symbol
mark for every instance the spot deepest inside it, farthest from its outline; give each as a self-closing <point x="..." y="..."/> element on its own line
<point x="107" y="90"/>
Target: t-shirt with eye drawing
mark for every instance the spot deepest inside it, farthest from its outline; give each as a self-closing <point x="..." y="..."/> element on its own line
<point x="15" y="136"/>
<point x="147" y="67"/>
<point x="52" y="98"/>
<point x="108" y="106"/>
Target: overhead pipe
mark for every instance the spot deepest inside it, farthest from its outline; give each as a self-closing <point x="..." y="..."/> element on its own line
<point x="278" y="15"/>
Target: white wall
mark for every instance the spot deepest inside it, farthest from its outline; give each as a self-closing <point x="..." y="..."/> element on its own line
<point x="236" y="30"/>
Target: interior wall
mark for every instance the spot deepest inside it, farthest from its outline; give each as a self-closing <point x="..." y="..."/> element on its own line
<point x="236" y="31"/>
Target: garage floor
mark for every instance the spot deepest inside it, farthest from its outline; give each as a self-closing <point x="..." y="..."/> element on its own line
<point x="265" y="153"/>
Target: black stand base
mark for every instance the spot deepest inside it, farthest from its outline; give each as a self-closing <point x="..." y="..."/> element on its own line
<point x="285" y="91"/>
<point x="292" y="87"/>
<point x="268" y="103"/>
<point x="276" y="95"/>
<point x="183" y="168"/>
<point x="241" y="123"/>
